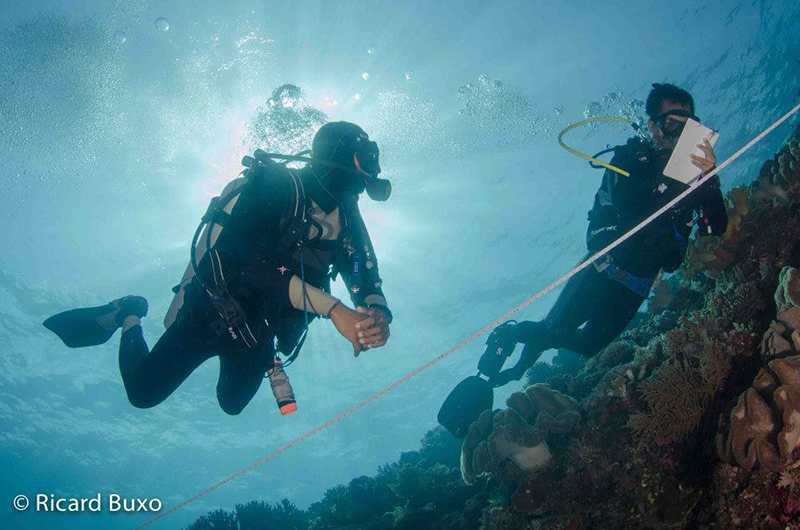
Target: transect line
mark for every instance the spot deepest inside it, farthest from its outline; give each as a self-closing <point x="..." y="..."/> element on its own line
<point x="484" y="329"/>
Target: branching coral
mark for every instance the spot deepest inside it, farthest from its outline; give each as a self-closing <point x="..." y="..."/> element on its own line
<point x="518" y="433"/>
<point x="676" y="398"/>
<point x="678" y="393"/>
<point x="764" y="425"/>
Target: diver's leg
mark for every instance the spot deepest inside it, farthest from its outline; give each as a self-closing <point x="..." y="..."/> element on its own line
<point x="151" y="376"/>
<point x="610" y="318"/>
<point x="240" y="376"/>
<point x="92" y="326"/>
<point x="571" y="309"/>
<point x="574" y="305"/>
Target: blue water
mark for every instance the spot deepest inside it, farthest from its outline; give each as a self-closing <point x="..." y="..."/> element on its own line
<point x="115" y="133"/>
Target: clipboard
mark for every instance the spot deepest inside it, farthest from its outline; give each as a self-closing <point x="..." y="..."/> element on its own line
<point x="680" y="166"/>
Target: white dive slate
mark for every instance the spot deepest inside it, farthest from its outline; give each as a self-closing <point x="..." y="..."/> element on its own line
<point x="680" y="166"/>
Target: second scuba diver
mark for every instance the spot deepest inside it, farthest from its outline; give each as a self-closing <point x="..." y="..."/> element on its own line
<point x="261" y="266"/>
<point x="598" y="303"/>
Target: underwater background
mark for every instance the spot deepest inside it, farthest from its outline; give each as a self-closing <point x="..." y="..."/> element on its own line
<point x="120" y="120"/>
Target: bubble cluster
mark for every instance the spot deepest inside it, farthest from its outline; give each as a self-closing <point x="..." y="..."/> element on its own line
<point x="162" y="24"/>
<point x="60" y="83"/>
<point x="407" y="124"/>
<point x="496" y="110"/>
<point x="287" y="123"/>
<point x="616" y="103"/>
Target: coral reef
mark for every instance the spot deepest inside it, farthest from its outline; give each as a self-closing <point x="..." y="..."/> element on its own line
<point x="769" y="410"/>
<point x="518" y="433"/>
<point x="689" y="419"/>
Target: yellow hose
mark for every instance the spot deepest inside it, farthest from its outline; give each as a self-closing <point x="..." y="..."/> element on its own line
<point x="589" y="158"/>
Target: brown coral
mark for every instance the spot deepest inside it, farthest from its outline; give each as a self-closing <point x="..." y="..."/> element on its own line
<point x="518" y="433"/>
<point x="782" y="337"/>
<point x="764" y="425"/>
<point x="788" y="292"/>
<point x="678" y="393"/>
<point x="767" y="193"/>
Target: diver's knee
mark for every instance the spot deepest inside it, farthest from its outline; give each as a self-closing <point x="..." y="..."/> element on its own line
<point x="232" y="410"/>
<point x="231" y="407"/>
<point x="530" y="332"/>
<point x="142" y="400"/>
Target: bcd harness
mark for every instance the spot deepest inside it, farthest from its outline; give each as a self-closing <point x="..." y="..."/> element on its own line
<point x="293" y="239"/>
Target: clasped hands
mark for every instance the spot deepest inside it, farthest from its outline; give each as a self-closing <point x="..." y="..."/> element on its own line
<point x="365" y="328"/>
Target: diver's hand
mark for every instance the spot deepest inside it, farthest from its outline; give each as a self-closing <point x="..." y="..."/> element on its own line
<point x="345" y="320"/>
<point x="708" y="162"/>
<point x="373" y="331"/>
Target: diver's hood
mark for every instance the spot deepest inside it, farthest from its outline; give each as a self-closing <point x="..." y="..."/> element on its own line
<point x="348" y="146"/>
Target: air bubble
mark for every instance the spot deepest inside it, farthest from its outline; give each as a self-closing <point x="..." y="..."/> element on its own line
<point x="409" y="75"/>
<point x="365" y="76"/>
<point x="371" y="50"/>
<point x="162" y="24"/>
<point x="357" y="96"/>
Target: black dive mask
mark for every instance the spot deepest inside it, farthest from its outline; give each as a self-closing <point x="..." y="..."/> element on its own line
<point x="672" y="129"/>
<point x="368" y="154"/>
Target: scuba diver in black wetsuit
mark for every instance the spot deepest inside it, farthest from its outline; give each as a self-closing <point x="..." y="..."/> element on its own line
<point x="598" y="303"/>
<point x="261" y="266"/>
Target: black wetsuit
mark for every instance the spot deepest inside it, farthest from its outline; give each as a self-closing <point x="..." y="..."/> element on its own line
<point x="596" y="306"/>
<point x="253" y="251"/>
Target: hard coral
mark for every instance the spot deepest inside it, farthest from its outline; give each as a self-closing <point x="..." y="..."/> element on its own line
<point x="788" y="292"/>
<point x="782" y="336"/>
<point x="518" y="433"/>
<point x="764" y="425"/>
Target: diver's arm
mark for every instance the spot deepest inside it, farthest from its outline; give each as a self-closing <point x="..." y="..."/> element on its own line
<point x="370" y="292"/>
<point x="317" y="301"/>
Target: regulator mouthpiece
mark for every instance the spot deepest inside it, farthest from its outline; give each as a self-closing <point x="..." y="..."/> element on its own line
<point x="379" y="189"/>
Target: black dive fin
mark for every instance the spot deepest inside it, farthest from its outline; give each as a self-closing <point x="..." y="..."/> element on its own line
<point x="88" y="326"/>
<point x="465" y="403"/>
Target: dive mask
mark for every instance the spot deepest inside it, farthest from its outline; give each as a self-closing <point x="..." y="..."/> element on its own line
<point x="367" y="154"/>
<point x="672" y="128"/>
